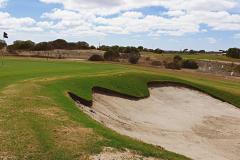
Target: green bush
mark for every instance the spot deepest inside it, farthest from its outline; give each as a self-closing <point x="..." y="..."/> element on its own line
<point x="233" y="52"/>
<point x="175" y="64"/>
<point x="96" y="57"/>
<point x="111" y="55"/>
<point x="133" y="59"/>
<point x="134" y="56"/>
<point x="190" y="64"/>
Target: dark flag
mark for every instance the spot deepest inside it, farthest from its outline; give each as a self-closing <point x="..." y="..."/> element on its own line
<point x="5" y="35"/>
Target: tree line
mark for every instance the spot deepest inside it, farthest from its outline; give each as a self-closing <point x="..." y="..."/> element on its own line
<point x="29" y="45"/>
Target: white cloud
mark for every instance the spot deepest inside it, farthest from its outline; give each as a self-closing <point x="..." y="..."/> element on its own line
<point x="237" y="36"/>
<point x="3" y="3"/>
<point x="94" y="17"/>
<point x="185" y="16"/>
<point x="211" y="40"/>
<point x="105" y="6"/>
<point x="12" y="23"/>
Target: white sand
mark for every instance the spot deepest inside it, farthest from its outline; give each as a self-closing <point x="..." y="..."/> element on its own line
<point x="180" y="120"/>
<point x="113" y="154"/>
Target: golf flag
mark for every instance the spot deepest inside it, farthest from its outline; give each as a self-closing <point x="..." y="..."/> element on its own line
<point x="5" y="35"/>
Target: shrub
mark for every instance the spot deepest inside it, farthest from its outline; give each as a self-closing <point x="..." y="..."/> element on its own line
<point x="233" y="52"/>
<point x="175" y="64"/>
<point x="134" y="56"/>
<point x="172" y="65"/>
<point x="111" y="55"/>
<point x="133" y="59"/>
<point x="96" y="57"/>
<point x="190" y="64"/>
<point x="59" y="44"/>
<point x="177" y="59"/>
<point x="156" y="63"/>
<point x="158" y="51"/>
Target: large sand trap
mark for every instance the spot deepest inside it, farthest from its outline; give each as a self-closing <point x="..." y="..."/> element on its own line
<point x="179" y="119"/>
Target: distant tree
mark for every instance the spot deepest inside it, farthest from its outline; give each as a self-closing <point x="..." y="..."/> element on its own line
<point x="71" y="46"/>
<point x="140" y="48"/>
<point x="202" y="51"/>
<point x="233" y="52"/>
<point x="158" y="51"/>
<point x="59" y="44"/>
<point x="82" y="45"/>
<point x="104" y="48"/>
<point x="92" y="47"/>
<point x="23" y="45"/>
<point x="192" y="52"/>
<point x="43" y="46"/>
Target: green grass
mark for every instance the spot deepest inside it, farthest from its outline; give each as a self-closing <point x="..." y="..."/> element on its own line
<point x="39" y="121"/>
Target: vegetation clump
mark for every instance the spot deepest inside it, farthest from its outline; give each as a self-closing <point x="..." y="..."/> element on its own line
<point x="175" y="64"/>
<point x="190" y="64"/>
<point x="156" y="63"/>
<point x="96" y="57"/>
<point x="233" y="52"/>
<point x="179" y="63"/>
<point x="111" y="55"/>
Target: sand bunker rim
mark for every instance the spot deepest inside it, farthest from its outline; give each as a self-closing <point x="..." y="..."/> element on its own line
<point x="177" y="117"/>
<point x="151" y="84"/>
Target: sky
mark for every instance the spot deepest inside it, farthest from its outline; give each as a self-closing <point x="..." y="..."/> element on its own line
<point x="164" y="24"/>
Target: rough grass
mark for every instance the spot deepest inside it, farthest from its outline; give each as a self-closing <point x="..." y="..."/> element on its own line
<point x="212" y="57"/>
<point x="39" y="121"/>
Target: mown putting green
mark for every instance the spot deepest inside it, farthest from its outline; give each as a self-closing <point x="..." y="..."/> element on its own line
<point x="39" y="120"/>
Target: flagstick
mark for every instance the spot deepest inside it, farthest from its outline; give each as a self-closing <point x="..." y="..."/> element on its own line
<point x="2" y="53"/>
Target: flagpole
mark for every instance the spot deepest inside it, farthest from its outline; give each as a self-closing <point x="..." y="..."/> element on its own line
<point x="2" y="52"/>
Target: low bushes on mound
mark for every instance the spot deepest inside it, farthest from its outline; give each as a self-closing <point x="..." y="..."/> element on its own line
<point x="175" y="64"/>
<point x="112" y="55"/>
<point x="190" y="64"/>
<point x="156" y="63"/>
<point x="179" y="63"/>
<point x="96" y="57"/>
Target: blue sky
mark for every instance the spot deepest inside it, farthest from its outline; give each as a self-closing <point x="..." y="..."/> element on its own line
<point x="172" y="25"/>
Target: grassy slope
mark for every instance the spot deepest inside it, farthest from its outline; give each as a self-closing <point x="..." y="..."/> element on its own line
<point x="42" y="122"/>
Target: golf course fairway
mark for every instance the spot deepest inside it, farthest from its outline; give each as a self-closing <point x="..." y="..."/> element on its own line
<point x="39" y="120"/>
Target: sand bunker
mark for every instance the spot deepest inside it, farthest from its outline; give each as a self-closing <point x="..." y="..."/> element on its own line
<point x="112" y="154"/>
<point x="179" y="119"/>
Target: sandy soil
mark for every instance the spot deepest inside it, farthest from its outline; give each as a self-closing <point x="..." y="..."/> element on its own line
<point x="179" y="119"/>
<point x="113" y="154"/>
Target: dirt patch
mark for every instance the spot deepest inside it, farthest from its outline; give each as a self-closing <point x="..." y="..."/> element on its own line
<point x="112" y="154"/>
<point x="182" y="120"/>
